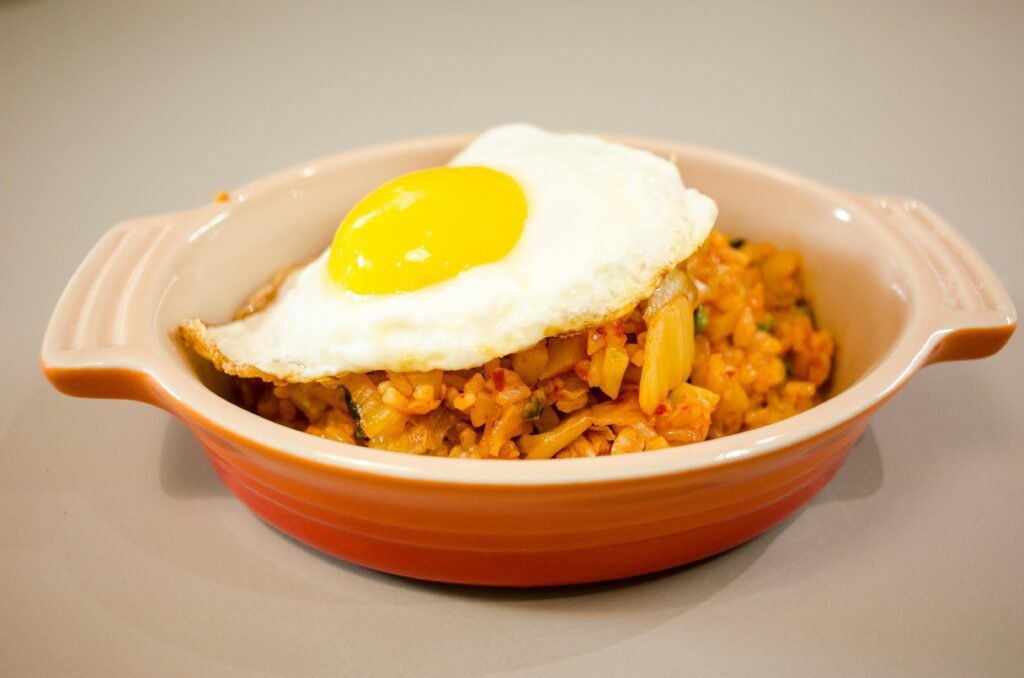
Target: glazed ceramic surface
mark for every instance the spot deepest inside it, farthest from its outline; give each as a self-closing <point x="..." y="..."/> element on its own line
<point x="897" y="285"/>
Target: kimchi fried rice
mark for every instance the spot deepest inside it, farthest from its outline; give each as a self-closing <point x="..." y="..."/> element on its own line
<point x="731" y="325"/>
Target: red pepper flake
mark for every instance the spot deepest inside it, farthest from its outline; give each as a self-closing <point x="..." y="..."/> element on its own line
<point x="662" y="408"/>
<point x="498" y="377"/>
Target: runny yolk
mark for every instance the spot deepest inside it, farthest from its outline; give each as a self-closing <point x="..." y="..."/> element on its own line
<point x="425" y="227"/>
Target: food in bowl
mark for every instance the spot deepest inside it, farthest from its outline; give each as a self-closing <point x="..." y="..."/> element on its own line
<point x="541" y="296"/>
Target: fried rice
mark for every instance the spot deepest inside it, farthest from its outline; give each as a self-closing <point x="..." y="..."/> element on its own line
<point x="727" y="343"/>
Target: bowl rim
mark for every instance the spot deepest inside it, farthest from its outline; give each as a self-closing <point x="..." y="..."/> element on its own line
<point x="907" y="353"/>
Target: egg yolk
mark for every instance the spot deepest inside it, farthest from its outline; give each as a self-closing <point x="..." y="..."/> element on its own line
<point x="425" y="227"/>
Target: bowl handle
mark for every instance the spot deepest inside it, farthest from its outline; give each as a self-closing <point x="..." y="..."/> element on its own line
<point x="98" y="339"/>
<point x="972" y="315"/>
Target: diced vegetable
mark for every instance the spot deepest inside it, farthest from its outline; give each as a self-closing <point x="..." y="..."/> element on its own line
<point x="596" y="367"/>
<point x="563" y="354"/>
<point x="625" y="411"/>
<point x="533" y="409"/>
<point x="423" y="434"/>
<point x="700" y="319"/>
<point x="548" y="444"/>
<point x="530" y="363"/>
<point x="353" y="409"/>
<point x="500" y="431"/>
<point x="675" y="284"/>
<point x="376" y="418"/>
<point x="668" y="352"/>
<point x="616" y="360"/>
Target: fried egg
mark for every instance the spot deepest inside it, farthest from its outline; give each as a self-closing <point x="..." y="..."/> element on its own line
<point x="525" y="234"/>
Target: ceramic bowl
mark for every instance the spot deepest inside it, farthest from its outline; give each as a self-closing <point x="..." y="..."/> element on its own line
<point x="896" y="284"/>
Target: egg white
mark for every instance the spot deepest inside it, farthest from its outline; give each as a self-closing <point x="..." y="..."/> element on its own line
<point x="604" y="224"/>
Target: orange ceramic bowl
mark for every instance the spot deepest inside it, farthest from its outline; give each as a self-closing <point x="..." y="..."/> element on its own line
<point x="897" y="285"/>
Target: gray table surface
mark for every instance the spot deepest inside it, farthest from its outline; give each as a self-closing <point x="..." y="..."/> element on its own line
<point x="120" y="552"/>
